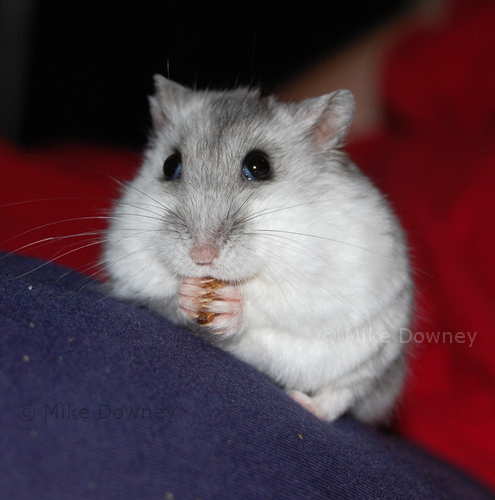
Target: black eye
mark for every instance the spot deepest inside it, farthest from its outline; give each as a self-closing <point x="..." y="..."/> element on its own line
<point x="172" y="167"/>
<point x="256" y="167"/>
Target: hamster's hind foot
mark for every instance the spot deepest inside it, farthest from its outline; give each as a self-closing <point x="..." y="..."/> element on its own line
<point x="327" y="404"/>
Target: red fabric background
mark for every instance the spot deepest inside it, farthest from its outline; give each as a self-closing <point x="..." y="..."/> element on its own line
<point x="435" y="158"/>
<point x="47" y="195"/>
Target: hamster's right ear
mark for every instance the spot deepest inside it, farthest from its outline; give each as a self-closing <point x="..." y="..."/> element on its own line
<point x="167" y="100"/>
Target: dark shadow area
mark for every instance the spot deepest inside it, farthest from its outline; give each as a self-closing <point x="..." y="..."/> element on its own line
<point x="90" y="64"/>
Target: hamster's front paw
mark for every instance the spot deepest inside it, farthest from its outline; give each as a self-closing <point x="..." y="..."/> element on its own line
<point x="212" y="304"/>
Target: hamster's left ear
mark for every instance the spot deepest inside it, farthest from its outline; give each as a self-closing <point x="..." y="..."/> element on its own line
<point x="327" y="117"/>
<point x="167" y="100"/>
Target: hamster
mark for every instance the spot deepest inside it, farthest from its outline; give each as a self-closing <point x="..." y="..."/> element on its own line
<point x="257" y="197"/>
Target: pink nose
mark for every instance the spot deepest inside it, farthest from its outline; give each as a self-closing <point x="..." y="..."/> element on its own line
<point x="204" y="254"/>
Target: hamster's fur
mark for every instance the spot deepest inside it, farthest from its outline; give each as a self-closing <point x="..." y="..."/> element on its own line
<point x="314" y="253"/>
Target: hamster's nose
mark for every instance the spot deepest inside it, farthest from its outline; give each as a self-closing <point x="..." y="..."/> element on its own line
<point x="204" y="254"/>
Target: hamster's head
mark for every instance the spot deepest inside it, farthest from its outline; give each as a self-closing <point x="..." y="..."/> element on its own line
<point x="224" y="176"/>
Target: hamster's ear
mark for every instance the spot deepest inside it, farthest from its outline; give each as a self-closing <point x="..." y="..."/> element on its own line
<point x="328" y="117"/>
<point x="168" y="98"/>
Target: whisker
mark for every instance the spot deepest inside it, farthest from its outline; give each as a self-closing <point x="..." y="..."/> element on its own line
<point x="50" y="261"/>
<point x="169" y="211"/>
<point x="43" y="200"/>
<point x="241" y="206"/>
<point x="131" y="186"/>
<point x="145" y="209"/>
<point x="50" y="239"/>
<point x="268" y="211"/>
<point x="75" y="219"/>
<point x="61" y="221"/>
<point x="308" y="235"/>
<point x="101" y="262"/>
<point x="131" y="276"/>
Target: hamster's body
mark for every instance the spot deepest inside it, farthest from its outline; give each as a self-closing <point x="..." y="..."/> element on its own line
<point x="257" y="194"/>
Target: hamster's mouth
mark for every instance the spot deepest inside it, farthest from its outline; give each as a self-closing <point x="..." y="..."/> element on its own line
<point x="229" y="276"/>
<point x="218" y="278"/>
<point x="229" y="272"/>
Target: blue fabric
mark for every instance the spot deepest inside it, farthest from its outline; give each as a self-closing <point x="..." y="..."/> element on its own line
<point x="103" y="399"/>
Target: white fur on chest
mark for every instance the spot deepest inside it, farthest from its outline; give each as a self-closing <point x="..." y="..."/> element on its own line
<point x="314" y="351"/>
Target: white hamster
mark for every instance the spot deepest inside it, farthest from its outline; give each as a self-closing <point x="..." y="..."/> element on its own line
<point x="258" y="194"/>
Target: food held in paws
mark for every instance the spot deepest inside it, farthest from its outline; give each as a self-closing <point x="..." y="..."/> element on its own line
<point x="204" y="316"/>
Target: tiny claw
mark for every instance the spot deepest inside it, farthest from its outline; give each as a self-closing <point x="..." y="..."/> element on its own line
<point x="205" y="317"/>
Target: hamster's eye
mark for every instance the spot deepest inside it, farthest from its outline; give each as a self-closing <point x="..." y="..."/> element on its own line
<point x="172" y="167"/>
<point x="256" y="167"/>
